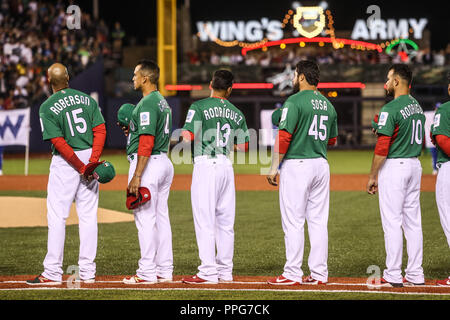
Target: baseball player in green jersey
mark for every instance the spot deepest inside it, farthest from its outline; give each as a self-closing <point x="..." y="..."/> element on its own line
<point x="147" y="147"/>
<point x="72" y="121"/>
<point x="440" y="131"/>
<point x="214" y="125"/>
<point x="396" y="172"/>
<point x="307" y="125"/>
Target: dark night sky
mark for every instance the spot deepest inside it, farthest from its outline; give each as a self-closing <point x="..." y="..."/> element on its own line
<point x="139" y="17"/>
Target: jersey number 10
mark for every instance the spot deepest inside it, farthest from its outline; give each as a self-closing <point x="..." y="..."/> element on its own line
<point x="416" y="132"/>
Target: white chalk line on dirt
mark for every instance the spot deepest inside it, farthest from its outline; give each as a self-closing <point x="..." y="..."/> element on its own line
<point x="245" y="282"/>
<point x="250" y="290"/>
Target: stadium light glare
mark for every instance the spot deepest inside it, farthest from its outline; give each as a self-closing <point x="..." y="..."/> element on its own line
<point x="267" y="85"/>
<point x="182" y="87"/>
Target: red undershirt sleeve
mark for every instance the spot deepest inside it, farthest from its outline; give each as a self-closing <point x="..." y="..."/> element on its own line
<point x="443" y="143"/>
<point x="98" y="142"/>
<point x="187" y="135"/>
<point x="242" y="146"/>
<point x="282" y="141"/>
<point x="332" y="141"/>
<point x="383" y="144"/>
<point x="68" y="154"/>
<point x="146" y="144"/>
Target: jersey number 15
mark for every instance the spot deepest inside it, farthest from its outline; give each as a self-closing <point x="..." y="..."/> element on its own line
<point x="80" y="123"/>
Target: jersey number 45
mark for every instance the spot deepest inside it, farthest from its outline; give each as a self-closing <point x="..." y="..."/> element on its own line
<point x="318" y="129"/>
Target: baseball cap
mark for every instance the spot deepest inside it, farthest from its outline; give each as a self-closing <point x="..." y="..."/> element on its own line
<point x="276" y="116"/>
<point x="124" y="114"/>
<point x="105" y="172"/>
<point x="135" y="201"/>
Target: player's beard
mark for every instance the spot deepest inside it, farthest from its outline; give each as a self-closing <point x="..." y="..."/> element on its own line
<point x="296" y="85"/>
<point x="390" y="91"/>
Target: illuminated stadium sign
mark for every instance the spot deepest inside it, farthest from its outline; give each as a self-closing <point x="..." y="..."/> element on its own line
<point x="381" y="29"/>
<point x="252" y="31"/>
<point x="309" y="13"/>
<point x="310" y="22"/>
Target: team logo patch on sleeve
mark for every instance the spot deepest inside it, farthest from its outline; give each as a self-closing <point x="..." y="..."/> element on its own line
<point x="145" y="118"/>
<point x="284" y="114"/>
<point x="190" y="116"/>
<point x="437" y="120"/>
<point x="42" y="124"/>
<point x="383" y="118"/>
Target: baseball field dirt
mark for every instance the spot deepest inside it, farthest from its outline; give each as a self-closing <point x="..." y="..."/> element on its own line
<point x="182" y="182"/>
<point x="239" y="283"/>
<point x="31" y="212"/>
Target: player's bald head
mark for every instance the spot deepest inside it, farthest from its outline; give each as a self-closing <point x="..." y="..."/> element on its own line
<point x="58" y="75"/>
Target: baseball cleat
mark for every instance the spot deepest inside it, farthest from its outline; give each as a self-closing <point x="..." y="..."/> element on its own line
<point x="407" y="283"/>
<point x="225" y="280"/>
<point x="282" y="281"/>
<point x="196" y="280"/>
<point x="311" y="280"/>
<point x="384" y="283"/>
<point x="443" y="283"/>
<point x="40" y="280"/>
<point x="136" y="280"/>
<point x="88" y="281"/>
<point x="163" y="280"/>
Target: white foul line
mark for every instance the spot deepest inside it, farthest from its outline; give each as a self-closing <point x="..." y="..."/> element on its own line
<point x="248" y="282"/>
<point x="213" y="289"/>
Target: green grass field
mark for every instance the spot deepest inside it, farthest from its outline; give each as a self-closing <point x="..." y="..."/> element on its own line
<point x="355" y="237"/>
<point x="355" y="242"/>
<point x="341" y="162"/>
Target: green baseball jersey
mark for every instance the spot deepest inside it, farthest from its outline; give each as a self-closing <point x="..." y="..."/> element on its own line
<point x="70" y="114"/>
<point x="404" y="121"/>
<point x="440" y="126"/>
<point x="216" y="124"/>
<point x="152" y="116"/>
<point x="312" y="121"/>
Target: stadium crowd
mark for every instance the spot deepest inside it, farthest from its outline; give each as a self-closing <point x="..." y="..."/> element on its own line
<point x="33" y="34"/>
<point x="277" y="57"/>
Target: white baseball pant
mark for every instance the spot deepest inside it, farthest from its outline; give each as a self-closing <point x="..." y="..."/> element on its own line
<point x="443" y="197"/>
<point x="152" y="218"/>
<point x="65" y="186"/>
<point x="399" y="199"/>
<point x="305" y="194"/>
<point x="213" y="207"/>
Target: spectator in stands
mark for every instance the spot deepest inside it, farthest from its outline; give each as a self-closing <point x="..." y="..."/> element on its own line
<point x="439" y="58"/>
<point x="33" y="35"/>
<point x="447" y="54"/>
<point x="118" y="34"/>
<point x="427" y="57"/>
<point x="215" y="59"/>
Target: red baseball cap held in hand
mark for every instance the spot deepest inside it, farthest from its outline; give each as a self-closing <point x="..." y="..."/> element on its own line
<point x="135" y="201"/>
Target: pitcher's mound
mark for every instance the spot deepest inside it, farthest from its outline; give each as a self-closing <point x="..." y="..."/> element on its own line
<point x="32" y="212"/>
